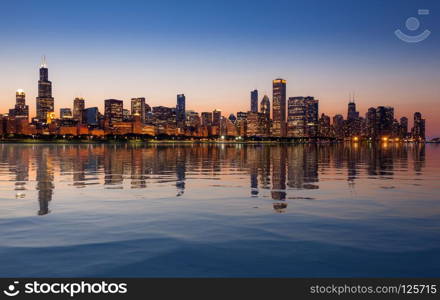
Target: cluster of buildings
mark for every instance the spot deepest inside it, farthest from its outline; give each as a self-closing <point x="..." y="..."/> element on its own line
<point x="283" y="118"/>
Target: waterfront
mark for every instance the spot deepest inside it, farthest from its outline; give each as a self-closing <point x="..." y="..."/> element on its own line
<point x="219" y="210"/>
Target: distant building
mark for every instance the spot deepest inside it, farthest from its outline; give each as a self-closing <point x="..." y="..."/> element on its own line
<point x="180" y="110"/>
<point x="113" y="111"/>
<point x="138" y="108"/>
<point x="78" y="109"/>
<point x="65" y="113"/>
<point x="384" y="121"/>
<point x="21" y="109"/>
<point x="45" y="101"/>
<point x="418" y="130"/>
<point x="254" y="101"/>
<point x="216" y="117"/>
<point x="404" y="127"/>
<point x="92" y="116"/>
<point x="279" y="108"/>
<point x="206" y="118"/>
<point x="297" y="117"/>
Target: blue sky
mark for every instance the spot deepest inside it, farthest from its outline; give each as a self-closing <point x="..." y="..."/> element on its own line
<point x="217" y="51"/>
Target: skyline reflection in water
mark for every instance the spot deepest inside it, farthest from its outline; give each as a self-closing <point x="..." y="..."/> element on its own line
<point x="302" y="210"/>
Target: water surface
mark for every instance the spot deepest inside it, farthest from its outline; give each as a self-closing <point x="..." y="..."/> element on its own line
<point x="219" y="210"/>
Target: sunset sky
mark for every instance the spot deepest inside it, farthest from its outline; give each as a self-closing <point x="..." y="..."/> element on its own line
<point x="216" y="52"/>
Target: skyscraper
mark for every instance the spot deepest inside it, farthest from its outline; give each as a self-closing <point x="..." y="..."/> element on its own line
<point x="279" y="108"/>
<point x="92" y="116"/>
<point x="265" y="106"/>
<point x="78" y="109"/>
<point x="352" y="114"/>
<point x="180" y="110"/>
<point x="113" y="111"/>
<point x="20" y="109"/>
<point x="216" y="117"/>
<point x="297" y="117"/>
<point x="254" y="101"/>
<point x="206" y="118"/>
<point x="404" y="127"/>
<point x="418" y="130"/>
<point x="45" y="101"/>
<point x="138" y="107"/>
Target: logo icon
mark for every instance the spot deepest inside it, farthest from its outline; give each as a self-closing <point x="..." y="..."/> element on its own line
<point x="413" y="24"/>
<point x="12" y="291"/>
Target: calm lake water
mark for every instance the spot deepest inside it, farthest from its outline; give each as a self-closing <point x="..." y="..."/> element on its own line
<point x="219" y="210"/>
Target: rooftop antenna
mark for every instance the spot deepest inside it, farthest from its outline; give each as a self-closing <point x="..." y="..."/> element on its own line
<point x="43" y="61"/>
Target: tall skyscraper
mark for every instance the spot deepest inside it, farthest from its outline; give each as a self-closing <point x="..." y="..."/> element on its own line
<point x="265" y="106"/>
<point x="113" y="111"/>
<point x="404" y="127"/>
<point x="352" y="114"/>
<point x="180" y="110"/>
<point x="384" y="121"/>
<point x="254" y="101"/>
<point x="138" y="108"/>
<point x="279" y="108"/>
<point x="92" y="116"/>
<point x="418" y="130"/>
<point x="297" y="117"/>
<point x="216" y="117"/>
<point x="45" y="101"/>
<point x="312" y="116"/>
<point x="78" y="109"/>
<point x="21" y="109"/>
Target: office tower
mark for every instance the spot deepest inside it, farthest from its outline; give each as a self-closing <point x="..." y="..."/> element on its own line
<point x="312" y="115"/>
<point x="126" y="116"/>
<point x="371" y="123"/>
<point x="180" y="110"/>
<point x="45" y="101"/>
<point x="418" y="131"/>
<point x="78" y="109"/>
<point x="216" y="117"/>
<point x="403" y="127"/>
<point x="113" y="111"/>
<point x="384" y="121"/>
<point x="241" y="115"/>
<point x="138" y="108"/>
<point x="21" y="109"/>
<point x="254" y="101"/>
<point x="265" y="106"/>
<point x="232" y="118"/>
<point x="324" y="126"/>
<point x="206" y="118"/>
<point x="338" y="126"/>
<point x="65" y="113"/>
<point x="192" y="118"/>
<point x="163" y="115"/>
<point x="352" y="114"/>
<point x="279" y="108"/>
<point x="91" y="115"/>
<point x="297" y="117"/>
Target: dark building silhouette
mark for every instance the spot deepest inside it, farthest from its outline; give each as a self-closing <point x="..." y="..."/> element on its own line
<point x="279" y="108"/>
<point x="180" y="110"/>
<point x="254" y="101"/>
<point x="45" y="101"/>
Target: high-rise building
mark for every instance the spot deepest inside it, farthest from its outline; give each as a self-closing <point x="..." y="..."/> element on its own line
<point x="371" y="123"/>
<point x="297" y="117"/>
<point x="279" y="108"/>
<point x="216" y="117"/>
<point x="338" y="126"/>
<point x="324" y="126"/>
<point x="138" y="107"/>
<point x="91" y="115"/>
<point x="113" y="111"/>
<point x="65" y="113"/>
<point x="384" y="121"/>
<point x="232" y="118"/>
<point x="45" y="101"/>
<point x="254" y="101"/>
<point x="180" y="110"/>
<point x="418" y="130"/>
<point x="312" y="116"/>
<point x="352" y="114"/>
<point x="206" y="118"/>
<point x="265" y="106"/>
<point x="78" y="109"/>
<point x="21" y="109"/>
<point x="403" y="127"/>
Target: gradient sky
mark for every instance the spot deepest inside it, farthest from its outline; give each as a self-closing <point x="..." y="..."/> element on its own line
<point x="217" y="51"/>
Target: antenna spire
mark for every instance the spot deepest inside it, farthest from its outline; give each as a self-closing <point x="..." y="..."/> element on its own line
<point x="43" y="61"/>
